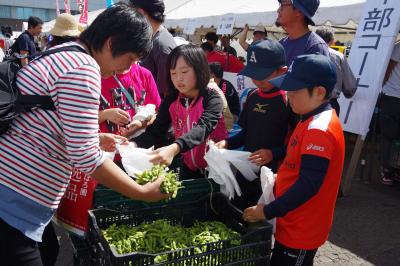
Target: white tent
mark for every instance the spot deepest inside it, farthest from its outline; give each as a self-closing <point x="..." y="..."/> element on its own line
<point x="254" y="12"/>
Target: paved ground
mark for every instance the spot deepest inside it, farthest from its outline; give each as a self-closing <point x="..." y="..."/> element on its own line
<point x="366" y="229"/>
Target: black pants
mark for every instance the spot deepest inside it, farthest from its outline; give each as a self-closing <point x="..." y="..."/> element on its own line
<point x="335" y="105"/>
<point x="49" y="246"/>
<point x="285" y="256"/>
<point x="390" y="128"/>
<point x="16" y="249"/>
<point x="251" y="192"/>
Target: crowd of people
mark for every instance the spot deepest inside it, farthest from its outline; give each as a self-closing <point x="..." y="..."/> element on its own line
<point x="127" y="59"/>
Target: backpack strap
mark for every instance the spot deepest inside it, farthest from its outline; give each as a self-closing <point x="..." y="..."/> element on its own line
<point x="72" y="48"/>
<point x="27" y="102"/>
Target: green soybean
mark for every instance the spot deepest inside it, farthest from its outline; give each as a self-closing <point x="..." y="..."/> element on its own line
<point x="170" y="184"/>
<point x="161" y="236"/>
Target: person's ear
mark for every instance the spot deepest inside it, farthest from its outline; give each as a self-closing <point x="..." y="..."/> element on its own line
<point x="320" y="92"/>
<point x="282" y="70"/>
<point x="109" y="44"/>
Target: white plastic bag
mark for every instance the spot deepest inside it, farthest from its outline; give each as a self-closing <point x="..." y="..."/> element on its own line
<point x="144" y="113"/>
<point x="221" y="172"/>
<point x="220" y="162"/>
<point x="267" y="185"/>
<point x="135" y="160"/>
<point x="110" y="154"/>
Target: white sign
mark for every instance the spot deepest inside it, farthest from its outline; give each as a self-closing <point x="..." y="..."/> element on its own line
<point x="190" y="26"/>
<point x="369" y="57"/>
<point x="225" y="25"/>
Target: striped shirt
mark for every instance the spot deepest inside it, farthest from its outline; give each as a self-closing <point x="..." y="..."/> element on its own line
<point x="41" y="147"/>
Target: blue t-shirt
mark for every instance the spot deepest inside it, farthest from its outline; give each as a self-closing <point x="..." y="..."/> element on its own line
<point x="309" y="43"/>
<point x="24" y="42"/>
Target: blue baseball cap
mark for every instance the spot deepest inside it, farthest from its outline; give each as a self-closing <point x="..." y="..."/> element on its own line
<point x="263" y="58"/>
<point x="307" y="7"/>
<point x="308" y="71"/>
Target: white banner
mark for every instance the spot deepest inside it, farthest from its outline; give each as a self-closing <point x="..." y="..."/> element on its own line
<point x="225" y="25"/>
<point x="369" y="57"/>
<point x="190" y="26"/>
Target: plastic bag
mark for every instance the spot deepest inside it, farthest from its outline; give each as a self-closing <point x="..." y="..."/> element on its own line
<point x="144" y="113"/>
<point x="267" y="185"/>
<point x="110" y="154"/>
<point x="135" y="160"/>
<point x="220" y="163"/>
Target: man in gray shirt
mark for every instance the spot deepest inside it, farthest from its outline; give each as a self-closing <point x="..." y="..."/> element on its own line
<point x="346" y="82"/>
<point x="163" y="41"/>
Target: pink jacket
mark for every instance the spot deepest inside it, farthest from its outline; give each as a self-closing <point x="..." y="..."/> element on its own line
<point x="138" y="78"/>
<point x="184" y="118"/>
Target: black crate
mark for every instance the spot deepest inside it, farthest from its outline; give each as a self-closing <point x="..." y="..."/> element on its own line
<point x="192" y="190"/>
<point x="255" y="247"/>
<point x="81" y="250"/>
<point x="103" y="197"/>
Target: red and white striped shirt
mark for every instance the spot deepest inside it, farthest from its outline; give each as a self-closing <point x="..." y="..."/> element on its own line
<point x="41" y="147"/>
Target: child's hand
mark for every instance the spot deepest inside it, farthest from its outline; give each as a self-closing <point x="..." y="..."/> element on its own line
<point x="254" y="214"/>
<point x="223" y="144"/>
<point x="261" y="157"/>
<point x="116" y="115"/>
<point x="164" y="155"/>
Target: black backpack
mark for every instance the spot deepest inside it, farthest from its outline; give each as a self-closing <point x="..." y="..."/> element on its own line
<point x="12" y="102"/>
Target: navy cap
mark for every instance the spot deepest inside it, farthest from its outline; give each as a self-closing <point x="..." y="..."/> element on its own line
<point x="263" y="58"/>
<point x="308" y="71"/>
<point x="307" y="7"/>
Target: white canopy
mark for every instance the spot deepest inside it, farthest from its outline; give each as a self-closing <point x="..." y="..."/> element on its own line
<point x="254" y="12"/>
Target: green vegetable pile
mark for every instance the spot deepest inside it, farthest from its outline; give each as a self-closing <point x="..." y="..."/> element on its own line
<point x="170" y="185"/>
<point x="161" y="236"/>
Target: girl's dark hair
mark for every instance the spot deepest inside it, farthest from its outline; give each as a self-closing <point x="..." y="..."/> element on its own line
<point x="216" y="69"/>
<point x="57" y="40"/>
<point x="128" y="29"/>
<point x="195" y="57"/>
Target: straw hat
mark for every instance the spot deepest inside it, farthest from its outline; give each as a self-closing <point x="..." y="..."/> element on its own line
<point x="66" y="25"/>
<point x="259" y="28"/>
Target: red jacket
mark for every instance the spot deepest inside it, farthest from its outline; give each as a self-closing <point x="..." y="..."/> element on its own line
<point x="229" y="64"/>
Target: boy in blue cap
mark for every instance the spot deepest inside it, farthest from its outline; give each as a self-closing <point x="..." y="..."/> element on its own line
<point x="308" y="181"/>
<point x="265" y="117"/>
